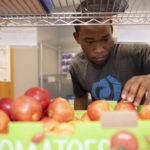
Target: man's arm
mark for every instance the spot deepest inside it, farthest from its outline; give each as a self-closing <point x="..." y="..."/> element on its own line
<point x="81" y="103"/>
<point x="135" y="88"/>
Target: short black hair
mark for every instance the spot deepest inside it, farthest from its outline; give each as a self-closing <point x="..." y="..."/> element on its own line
<point x="101" y="6"/>
<point x="77" y="28"/>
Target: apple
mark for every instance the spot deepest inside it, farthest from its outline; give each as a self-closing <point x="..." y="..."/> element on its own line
<point x="148" y="139"/>
<point x="96" y="108"/>
<point x="65" y="129"/>
<point x="25" y="108"/>
<point x="4" y="121"/>
<point x="145" y="112"/>
<point x="60" y="110"/>
<point x="49" y="124"/>
<point x="85" y="117"/>
<point x="45" y="113"/>
<point x="5" y="105"/>
<point x="124" y="140"/>
<point x="75" y="118"/>
<point x="125" y="106"/>
<point x="39" y="94"/>
<point x="37" y="138"/>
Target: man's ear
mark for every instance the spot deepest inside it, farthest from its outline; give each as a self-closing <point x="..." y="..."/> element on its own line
<point x="76" y="37"/>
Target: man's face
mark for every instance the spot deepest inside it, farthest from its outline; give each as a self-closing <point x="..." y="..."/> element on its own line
<point x="96" y="42"/>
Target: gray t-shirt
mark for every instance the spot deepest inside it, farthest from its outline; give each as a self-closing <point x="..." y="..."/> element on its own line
<point x="106" y="81"/>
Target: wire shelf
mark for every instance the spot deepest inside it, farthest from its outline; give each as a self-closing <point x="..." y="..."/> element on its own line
<point x="65" y="12"/>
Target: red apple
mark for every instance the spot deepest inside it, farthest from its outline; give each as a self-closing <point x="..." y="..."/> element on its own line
<point x="45" y="113"/>
<point x="26" y="108"/>
<point x="125" y="106"/>
<point x="5" y="105"/>
<point x="85" y="117"/>
<point x="96" y="107"/>
<point x="148" y="139"/>
<point x="37" y="138"/>
<point x="39" y="94"/>
<point x="124" y="140"/>
<point x="49" y="124"/>
<point x="61" y="110"/>
<point x="145" y="112"/>
<point x="65" y="129"/>
<point x="4" y="122"/>
<point x="75" y="118"/>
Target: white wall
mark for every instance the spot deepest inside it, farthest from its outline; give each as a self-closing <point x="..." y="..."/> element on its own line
<point x="67" y="40"/>
<point x="26" y="61"/>
<point x="49" y="34"/>
<point x="25" y="69"/>
<point x="49" y="38"/>
<point x="50" y="60"/>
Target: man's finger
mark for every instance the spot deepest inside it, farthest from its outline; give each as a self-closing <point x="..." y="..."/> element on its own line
<point x="147" y="100"/>
<point x="126" y="89"/>
<point x="140" y="94"/>
<point x="134" y="88"/>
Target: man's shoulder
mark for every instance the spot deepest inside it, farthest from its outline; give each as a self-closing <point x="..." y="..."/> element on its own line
<point x="132" y="48"/>
<point x="129" y="46"/>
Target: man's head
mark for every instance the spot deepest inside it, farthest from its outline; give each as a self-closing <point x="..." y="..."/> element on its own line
<point x="112" y="7"/>
<point x="96" y="42"/>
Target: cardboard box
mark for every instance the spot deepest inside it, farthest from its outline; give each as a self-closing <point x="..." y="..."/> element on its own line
<point x="89" y="136"/>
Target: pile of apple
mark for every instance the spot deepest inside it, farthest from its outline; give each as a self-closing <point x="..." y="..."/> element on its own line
<point x="57" y="115"/>
<point x="29" y="107"/>
<point x="96" y="107"/>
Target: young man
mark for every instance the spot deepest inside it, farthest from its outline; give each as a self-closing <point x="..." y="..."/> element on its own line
<point x="108" y="70"/>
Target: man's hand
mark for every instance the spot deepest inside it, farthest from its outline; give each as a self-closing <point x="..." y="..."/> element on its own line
<point x="135" y="88"/>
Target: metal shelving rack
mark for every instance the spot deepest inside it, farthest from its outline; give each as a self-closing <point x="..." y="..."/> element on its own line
<point x="31" y="13"/>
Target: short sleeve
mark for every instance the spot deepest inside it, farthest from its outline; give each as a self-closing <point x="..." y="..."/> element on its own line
<point x="144" y="55"/>
<point x="77" y="88"/>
